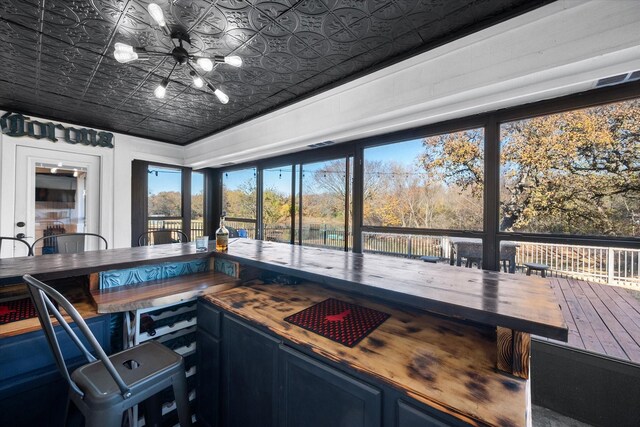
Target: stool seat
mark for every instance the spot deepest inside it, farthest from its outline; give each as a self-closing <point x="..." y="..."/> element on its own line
<point x="542" y="268"/>
<point x="140" y="367"/>
<point x="431" y="259"/>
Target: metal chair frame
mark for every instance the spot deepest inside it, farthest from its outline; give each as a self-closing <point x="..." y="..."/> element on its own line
<point x="72" y="237"/>
<point x="15" y="239"/>
<point x="100" y="402"/>
<point x="143" y="239"/>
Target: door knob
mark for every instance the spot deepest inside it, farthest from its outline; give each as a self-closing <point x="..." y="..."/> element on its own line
<point x="21" y="235"/>
<point x="20" y="224"/>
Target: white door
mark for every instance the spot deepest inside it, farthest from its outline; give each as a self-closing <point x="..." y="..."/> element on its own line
<point x="56" y="191"/>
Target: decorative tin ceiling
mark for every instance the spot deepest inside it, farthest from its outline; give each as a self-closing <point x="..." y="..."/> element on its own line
<point x="56" y="57"/>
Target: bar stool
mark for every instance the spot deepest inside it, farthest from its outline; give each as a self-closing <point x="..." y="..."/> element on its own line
<point x="532" y="266"/>
<point x="107" y="386"/>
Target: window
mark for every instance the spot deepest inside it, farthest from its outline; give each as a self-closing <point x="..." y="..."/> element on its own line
<point x="433" y="183"/>
<point x="326" y="191"/>
<point x="197" y="205"/>
<point x="239" y="200"/>
<point x="277" y="203"/>
<point x="575" y="172"/>
<point x="164" y="206"/>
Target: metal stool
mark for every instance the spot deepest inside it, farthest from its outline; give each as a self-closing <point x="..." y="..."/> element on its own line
<point x="106" y="387"/>
<point x="431" y="259"/>
<point x="542" y="268"/>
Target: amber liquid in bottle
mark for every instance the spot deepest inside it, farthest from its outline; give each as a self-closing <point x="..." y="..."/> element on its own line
<point x="222" y="237"/>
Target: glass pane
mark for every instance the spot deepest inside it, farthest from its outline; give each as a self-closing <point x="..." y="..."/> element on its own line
<point x="433" y="182"/>
<point x="165" y="192"/>
<point x="323" y="204"/>
<point x="276" y="204"/>
<point x="573" y="173"/>
<point x="60" y="205"/>
<point x="197" y="205"/>
<point x="239" y="193"/>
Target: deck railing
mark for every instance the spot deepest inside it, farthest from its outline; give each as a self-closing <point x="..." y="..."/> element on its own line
<point x="611" y="265"/>
<point x="197" y="226"/>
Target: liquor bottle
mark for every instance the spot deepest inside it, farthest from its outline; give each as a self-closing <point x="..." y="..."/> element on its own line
<point x="222" y="237"/>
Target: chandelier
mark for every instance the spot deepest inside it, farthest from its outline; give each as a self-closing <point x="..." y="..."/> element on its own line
<point x="125" y="53"/>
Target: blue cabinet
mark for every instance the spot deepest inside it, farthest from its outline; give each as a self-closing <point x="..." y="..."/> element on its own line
<point x="32" y="391"/>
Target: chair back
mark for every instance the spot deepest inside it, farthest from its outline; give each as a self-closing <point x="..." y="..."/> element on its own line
<point x="15" y="239"/>
<point x="67" y="243"/>
<point x="45" y="299"/>
<point x="162" y="237"/>
<point x="232" y="232"/>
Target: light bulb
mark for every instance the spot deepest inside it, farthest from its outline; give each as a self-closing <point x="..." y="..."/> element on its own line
<point x="54" y="170"/>
<point x="222" y="97"/>
<point x="156" y="13"/>
<point x="234" y="61"/>
<point x="124" y="53"/>
<point x="161" y="90"/>
<point x="205" y="64"/>
<point x="75" y="174"/>
<point x="198" y="82"/>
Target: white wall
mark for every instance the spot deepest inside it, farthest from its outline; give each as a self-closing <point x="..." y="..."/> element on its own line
<point x="115" y="178"/>
<point x="558" y="49"/>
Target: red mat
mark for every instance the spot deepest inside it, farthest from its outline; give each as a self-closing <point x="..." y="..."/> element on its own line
<point x="340" y="321"/>
<point x="18" y="309"/>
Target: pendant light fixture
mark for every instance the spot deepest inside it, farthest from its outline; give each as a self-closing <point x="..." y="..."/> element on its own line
<point x="198" y="64"/>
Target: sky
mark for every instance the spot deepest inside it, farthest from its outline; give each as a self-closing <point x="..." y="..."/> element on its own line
<point x="169" y="180"/>
<point x="279" y="178"/>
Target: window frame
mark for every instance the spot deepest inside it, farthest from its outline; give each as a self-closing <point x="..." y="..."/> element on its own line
<point x="491" y="122"/>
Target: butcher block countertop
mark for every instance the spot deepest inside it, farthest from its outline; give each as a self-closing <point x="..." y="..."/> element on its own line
<point x="448" y="365"/>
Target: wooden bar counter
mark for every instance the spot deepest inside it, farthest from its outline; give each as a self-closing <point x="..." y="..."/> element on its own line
<point x="447" y="365"/>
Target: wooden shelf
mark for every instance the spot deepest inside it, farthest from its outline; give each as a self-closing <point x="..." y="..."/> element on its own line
<point x="159" y="293"/>
<point x="74" y="292"/>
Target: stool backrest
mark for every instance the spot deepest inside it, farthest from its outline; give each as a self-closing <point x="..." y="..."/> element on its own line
<point x="15" y="239"/>
<point x="44" y="297"/>
<point x="161" y="237"/>
<point x="68" y="243"/>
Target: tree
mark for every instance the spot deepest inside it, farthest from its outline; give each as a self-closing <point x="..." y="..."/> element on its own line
<point x="575" y="172"/>
<point x="165" y="204"/>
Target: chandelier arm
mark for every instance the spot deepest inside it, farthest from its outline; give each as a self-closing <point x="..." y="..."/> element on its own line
<point x="175" y="64"/>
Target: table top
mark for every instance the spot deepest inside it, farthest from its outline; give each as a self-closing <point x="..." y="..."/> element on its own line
<point x="56" y="266"/>
<point x="472" y="240"/>
<point x="518" y="302"/>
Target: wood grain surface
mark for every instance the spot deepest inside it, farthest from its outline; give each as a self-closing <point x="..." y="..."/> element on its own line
<point x="445" y="364"/>
<point x="74" y="291"/>
<point x="157" y="293"/>
<point x="54" y="266"/>
<point x="514" y="301"/>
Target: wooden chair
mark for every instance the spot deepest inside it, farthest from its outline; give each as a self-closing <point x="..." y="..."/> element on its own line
<point x="15" y="239"/>
<point x="107" y="386"/>
<point x="162" y="237"/>
<point x="67" y="243"/>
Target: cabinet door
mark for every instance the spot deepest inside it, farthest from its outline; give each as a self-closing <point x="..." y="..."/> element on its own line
<point x="410" y="416"/>
<point x="250" y="366"/>
<point x="314" y="394"/>
<point x="208" y="379"/>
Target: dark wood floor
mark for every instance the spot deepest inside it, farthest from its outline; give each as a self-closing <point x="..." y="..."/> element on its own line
<point x="601" y="319"/>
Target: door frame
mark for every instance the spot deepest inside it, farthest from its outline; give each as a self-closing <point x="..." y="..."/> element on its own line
<point x="8" y="162"/>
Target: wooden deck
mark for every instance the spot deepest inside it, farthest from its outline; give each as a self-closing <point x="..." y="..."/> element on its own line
<point x="601" y="319"/>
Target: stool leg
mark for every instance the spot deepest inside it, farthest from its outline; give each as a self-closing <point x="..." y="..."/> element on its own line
<point x="106" y="418"/>
<point x="543" y="273"/>
<point x="181" y="395"/>
<point x="528" y="271"/>
<point x="152" y="411"/>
